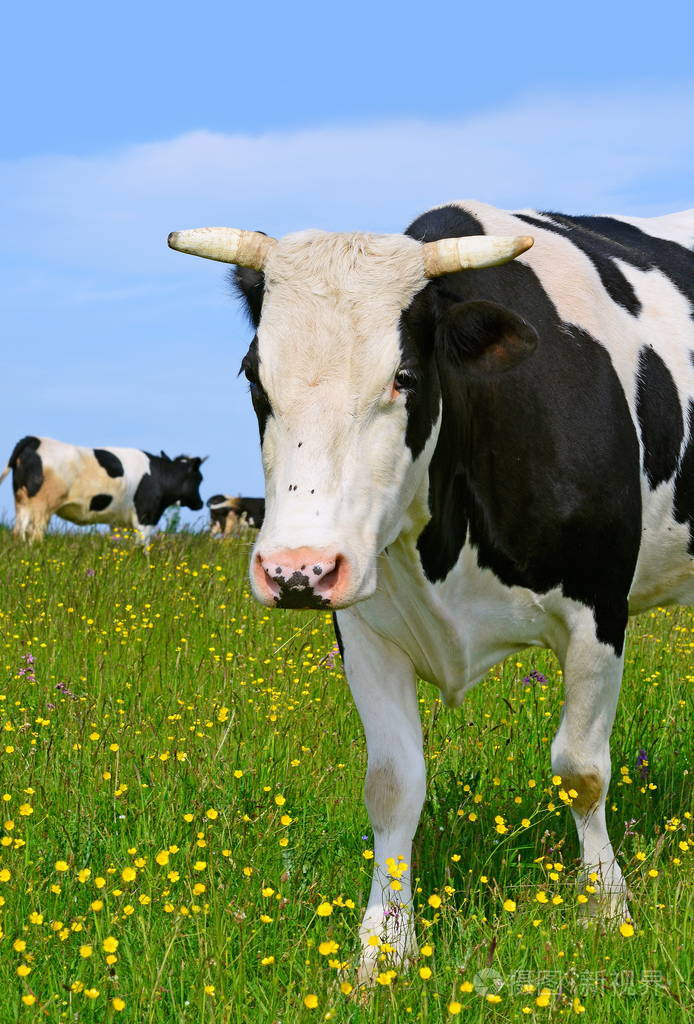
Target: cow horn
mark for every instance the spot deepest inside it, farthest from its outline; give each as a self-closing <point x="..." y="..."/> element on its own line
<point x="228" y="245"/>
<point x="472" y="252"/>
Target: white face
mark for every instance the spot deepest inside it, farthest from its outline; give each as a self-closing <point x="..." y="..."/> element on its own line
<point x="339" y="474"/>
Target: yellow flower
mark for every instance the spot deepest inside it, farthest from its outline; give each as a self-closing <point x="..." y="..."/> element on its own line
<point x="454" y="1008"/>
<point x="5" y="875"/>
<point x="510" y="905"/>
<point x="626" y="929"/>
<point x="211" y="813"/>
<point x="162" y="858"/>
<point x="286" y="819"/>
<point x="209" y="990"/>
<point x="118" y="1004"/>
<point x="19" y="945"/>
<point x="425" y="973"/>
<point x="492" y="997"/>
<point x="28" y="999"/>
<point x="23" y="970"/>
<point x="99" y="882"/>
<point x="267" y="960"/>
<point x="328" y="947"/>
<point x="280" y="800"/>
<point x="324" y="909"/>
<point x="62" y="865"/>
<point x="311" y="1001"/>
<point x="86" y="951"/>
<point x="128" y="874"/>
<point x="368" y="854"/>
<point x="345" y="988"/>
<point x="110" y="944"/>
<point x="25" y="810"/>
<point x="578" y="1006"/>
<point x="199" y="865"/>
<point x="541" y="896"/>
<point x="434" y="901"/>
<point x="543" y="998"/>
<point x="466" y="986"/>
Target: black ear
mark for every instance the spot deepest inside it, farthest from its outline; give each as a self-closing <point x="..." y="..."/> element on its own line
<point x="249" y="285"/>
<point x="484" y="337"/>
<point x="164" y="455"/>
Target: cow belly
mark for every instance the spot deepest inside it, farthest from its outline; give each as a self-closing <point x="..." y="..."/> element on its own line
<point x="80" y="513"/>
<point x="664" y="570"/>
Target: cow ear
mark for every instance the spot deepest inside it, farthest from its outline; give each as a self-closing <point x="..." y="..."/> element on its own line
<point x="484" y="337"/>
<point x="164" y="455"/>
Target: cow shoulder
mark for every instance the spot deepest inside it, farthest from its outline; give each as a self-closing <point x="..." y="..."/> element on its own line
<point x="538" y="467"/>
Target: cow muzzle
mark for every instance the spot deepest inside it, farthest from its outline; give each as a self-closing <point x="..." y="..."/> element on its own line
<point x="301" y="578"/>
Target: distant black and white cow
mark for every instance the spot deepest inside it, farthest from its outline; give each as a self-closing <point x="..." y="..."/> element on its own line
<point x="228" y="514"/>
<point x="468" y="461"/>
<point x="119" y="486"/>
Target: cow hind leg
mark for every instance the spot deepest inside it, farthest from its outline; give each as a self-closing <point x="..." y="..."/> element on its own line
<point x="30" y="521"/>
<point x="581" y="756"/>
<point x="383" y="684"/>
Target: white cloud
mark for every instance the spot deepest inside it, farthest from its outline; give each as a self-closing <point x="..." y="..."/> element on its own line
<point x="616" y="153"/>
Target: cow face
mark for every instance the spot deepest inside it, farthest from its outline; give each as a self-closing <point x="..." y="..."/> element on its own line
<point x="189" y="480"/>
<point x="332" y="386"/>
<point x="346" y="395"/>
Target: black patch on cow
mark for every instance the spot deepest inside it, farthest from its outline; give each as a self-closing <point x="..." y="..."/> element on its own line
<point x="538" y="466"/>
<point x="99" y="502"/>
<point x="338" y="637"/>
<point x="26" y="465"/>
<point x="635" y="247"/>
<point x="601" y="252"/>
<point x="250" y="366"/>
<point x="296" y="592"/>
<point x="168" y="481"/>
<point x="108" y="461"/>
<point x="660" y="418"/>
<point x="684" y="484"/>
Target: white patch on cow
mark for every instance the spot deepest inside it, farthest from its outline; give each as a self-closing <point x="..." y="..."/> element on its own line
<point x="676" y="227"/>
<point x="338" y="474"/>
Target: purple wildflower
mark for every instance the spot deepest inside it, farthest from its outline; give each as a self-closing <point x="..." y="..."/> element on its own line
<point x="90" y="572"/>
<point x="642" y="763"/>
<point x="534" y="677"/>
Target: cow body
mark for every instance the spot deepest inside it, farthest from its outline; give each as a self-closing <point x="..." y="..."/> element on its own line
<point x="463" y="467"/>
<point x="228" y="514"/>
<point x="118" y="486"/>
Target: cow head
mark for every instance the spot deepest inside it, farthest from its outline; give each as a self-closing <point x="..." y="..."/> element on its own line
<point x="343" y="380"/>
<point x="188" y="480"/>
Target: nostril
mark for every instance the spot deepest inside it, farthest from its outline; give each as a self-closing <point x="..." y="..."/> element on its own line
<point x="330" y="579"/>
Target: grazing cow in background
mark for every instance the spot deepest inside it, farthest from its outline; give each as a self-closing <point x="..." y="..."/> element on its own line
<point x="465" y="459"/>
<point x="227" y="513"/>
<point x="119" y="486"/>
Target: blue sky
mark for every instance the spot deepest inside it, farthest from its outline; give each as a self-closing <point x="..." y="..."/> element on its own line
<point x="131" y="121"/>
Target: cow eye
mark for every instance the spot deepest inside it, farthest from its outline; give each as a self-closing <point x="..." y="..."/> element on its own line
<point x="404" y="380"/>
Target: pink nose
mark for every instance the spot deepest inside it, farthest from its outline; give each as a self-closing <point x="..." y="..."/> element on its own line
<point x="300" y="577"/>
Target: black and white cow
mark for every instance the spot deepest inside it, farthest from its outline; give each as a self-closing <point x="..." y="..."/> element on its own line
<point x="228" y="514"/>
<point x="119" y="486"/>
<point x="466" y="459"/>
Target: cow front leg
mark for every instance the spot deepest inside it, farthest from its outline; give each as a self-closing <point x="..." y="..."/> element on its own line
<point x="581" y="756"/>
<point x="383" y="683"/>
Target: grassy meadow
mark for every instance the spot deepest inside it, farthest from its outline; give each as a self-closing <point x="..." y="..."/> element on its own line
<point x="184" y="837"/>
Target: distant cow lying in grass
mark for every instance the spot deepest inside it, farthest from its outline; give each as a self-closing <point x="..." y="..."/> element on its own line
<point x="226" y="513"/>
<point x="118" y="486"/>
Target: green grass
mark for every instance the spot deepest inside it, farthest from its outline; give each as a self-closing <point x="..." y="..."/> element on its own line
<point x="192" y="716"/>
